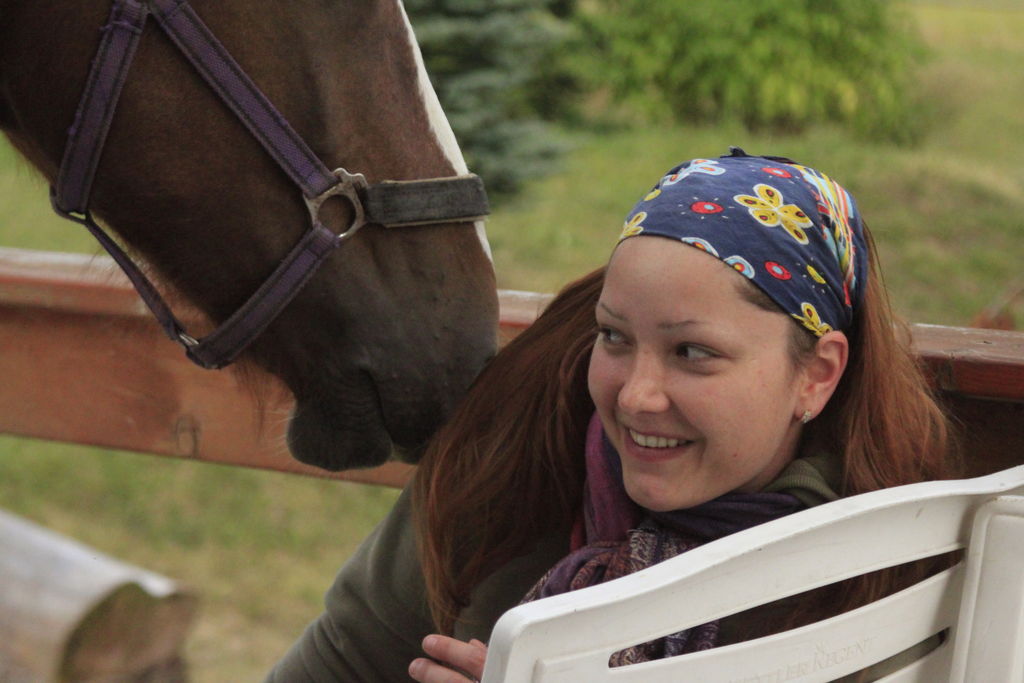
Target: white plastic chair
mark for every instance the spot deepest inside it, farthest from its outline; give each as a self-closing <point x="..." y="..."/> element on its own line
<point x="569" y="638"/>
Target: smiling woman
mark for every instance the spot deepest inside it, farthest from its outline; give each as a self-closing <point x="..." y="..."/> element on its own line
<point x="705" y="382"/>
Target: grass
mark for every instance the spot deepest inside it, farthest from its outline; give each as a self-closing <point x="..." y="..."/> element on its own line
<point x="262" y="547"/>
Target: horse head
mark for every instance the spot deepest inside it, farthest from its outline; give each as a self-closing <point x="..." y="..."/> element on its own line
<point x="390" y="331"/>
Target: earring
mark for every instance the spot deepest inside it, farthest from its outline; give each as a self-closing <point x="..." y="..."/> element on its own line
<point x="806" y="417"/>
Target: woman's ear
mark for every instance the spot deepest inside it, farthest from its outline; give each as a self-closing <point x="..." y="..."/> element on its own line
<point x="821" y="373"/>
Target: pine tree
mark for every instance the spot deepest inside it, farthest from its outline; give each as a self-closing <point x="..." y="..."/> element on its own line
<point x="494" y="66"/>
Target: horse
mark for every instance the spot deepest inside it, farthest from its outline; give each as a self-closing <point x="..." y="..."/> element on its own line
<point x="389" y="332"/>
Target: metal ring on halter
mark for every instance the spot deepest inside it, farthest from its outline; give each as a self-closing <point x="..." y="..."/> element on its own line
<point x="349" y="185"/>
<point x="188" y="341"/>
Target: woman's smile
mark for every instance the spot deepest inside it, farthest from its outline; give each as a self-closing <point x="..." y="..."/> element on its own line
<point x="652" y="441"/>
<point x="653" y="450"/>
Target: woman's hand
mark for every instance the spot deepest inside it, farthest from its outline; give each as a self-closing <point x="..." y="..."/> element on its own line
<point x="462" y="662"/>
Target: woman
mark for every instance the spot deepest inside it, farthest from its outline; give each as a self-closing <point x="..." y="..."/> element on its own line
<point x="655" y="406"/>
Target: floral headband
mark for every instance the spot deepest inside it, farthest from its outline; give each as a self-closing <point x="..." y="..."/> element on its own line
<point x="793" y="231"/>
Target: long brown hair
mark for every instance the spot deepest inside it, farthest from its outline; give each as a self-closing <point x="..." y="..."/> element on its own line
<point x="891" y="430"/>
<point x="508" y="467"/>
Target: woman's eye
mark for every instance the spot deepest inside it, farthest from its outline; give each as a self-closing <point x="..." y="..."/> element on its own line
<point x="691" y="352"/>
<point x="610" y="336"/>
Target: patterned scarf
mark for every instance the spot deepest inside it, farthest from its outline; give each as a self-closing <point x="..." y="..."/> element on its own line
<point x="792" y="230"/>
<point x="616" y="537"/>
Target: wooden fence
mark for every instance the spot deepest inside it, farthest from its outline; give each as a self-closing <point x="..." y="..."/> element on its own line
<point x="82" y="361"/>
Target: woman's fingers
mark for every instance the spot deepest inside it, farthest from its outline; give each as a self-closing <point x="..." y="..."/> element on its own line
<point x="468" y="657"/>
<point x="429" y="671"/>
<point x="460" y="662"/>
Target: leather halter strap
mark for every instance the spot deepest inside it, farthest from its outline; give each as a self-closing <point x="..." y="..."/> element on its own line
<point x="389" y="203"/>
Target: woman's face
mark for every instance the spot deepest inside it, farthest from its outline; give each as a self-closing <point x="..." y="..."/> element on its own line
<point x="694" y="383"/>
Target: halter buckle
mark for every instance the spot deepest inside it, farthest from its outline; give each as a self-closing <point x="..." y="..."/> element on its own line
<point x="349" y="185"/>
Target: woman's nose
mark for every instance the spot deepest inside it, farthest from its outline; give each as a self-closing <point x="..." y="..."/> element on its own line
<point x="643" y="390"/>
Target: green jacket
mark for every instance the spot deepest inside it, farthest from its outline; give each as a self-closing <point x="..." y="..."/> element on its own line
<point x="376" y="613"/>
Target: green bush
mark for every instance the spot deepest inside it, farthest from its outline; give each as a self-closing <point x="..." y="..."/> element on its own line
<point x="495" y="66"/>
<point x="779" y="64"/>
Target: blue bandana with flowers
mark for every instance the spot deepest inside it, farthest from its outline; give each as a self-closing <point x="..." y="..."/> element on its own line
<point x="792" y="230"/>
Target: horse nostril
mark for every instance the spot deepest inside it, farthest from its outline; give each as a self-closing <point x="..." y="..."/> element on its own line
<point x="318" y="438"/>
<point x="337" y="424"/>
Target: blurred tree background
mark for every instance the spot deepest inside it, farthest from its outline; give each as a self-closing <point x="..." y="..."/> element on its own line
<point x="782" y="64"/>
<point x="571" y="109"/>
<point x="506" y="70"/>
<point x="497" y="70"/>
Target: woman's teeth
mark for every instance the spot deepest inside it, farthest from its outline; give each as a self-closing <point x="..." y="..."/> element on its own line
<point x="654" y="441"/>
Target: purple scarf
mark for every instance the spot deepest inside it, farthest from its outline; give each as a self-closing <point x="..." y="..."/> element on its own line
<point x="617" y="537"/>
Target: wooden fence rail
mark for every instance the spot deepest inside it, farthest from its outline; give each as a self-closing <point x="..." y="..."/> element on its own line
<point x="82" y="361"/>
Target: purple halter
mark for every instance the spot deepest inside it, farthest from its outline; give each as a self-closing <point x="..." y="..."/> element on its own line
<point x="389" y="203"/>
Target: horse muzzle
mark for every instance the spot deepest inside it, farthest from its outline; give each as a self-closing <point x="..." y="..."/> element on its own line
<point x="363" y="417"/>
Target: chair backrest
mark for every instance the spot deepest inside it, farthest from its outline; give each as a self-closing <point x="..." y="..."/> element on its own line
<point x="980" y="602"/>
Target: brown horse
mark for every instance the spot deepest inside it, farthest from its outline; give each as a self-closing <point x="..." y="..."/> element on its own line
<point x="389" y="333"/>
